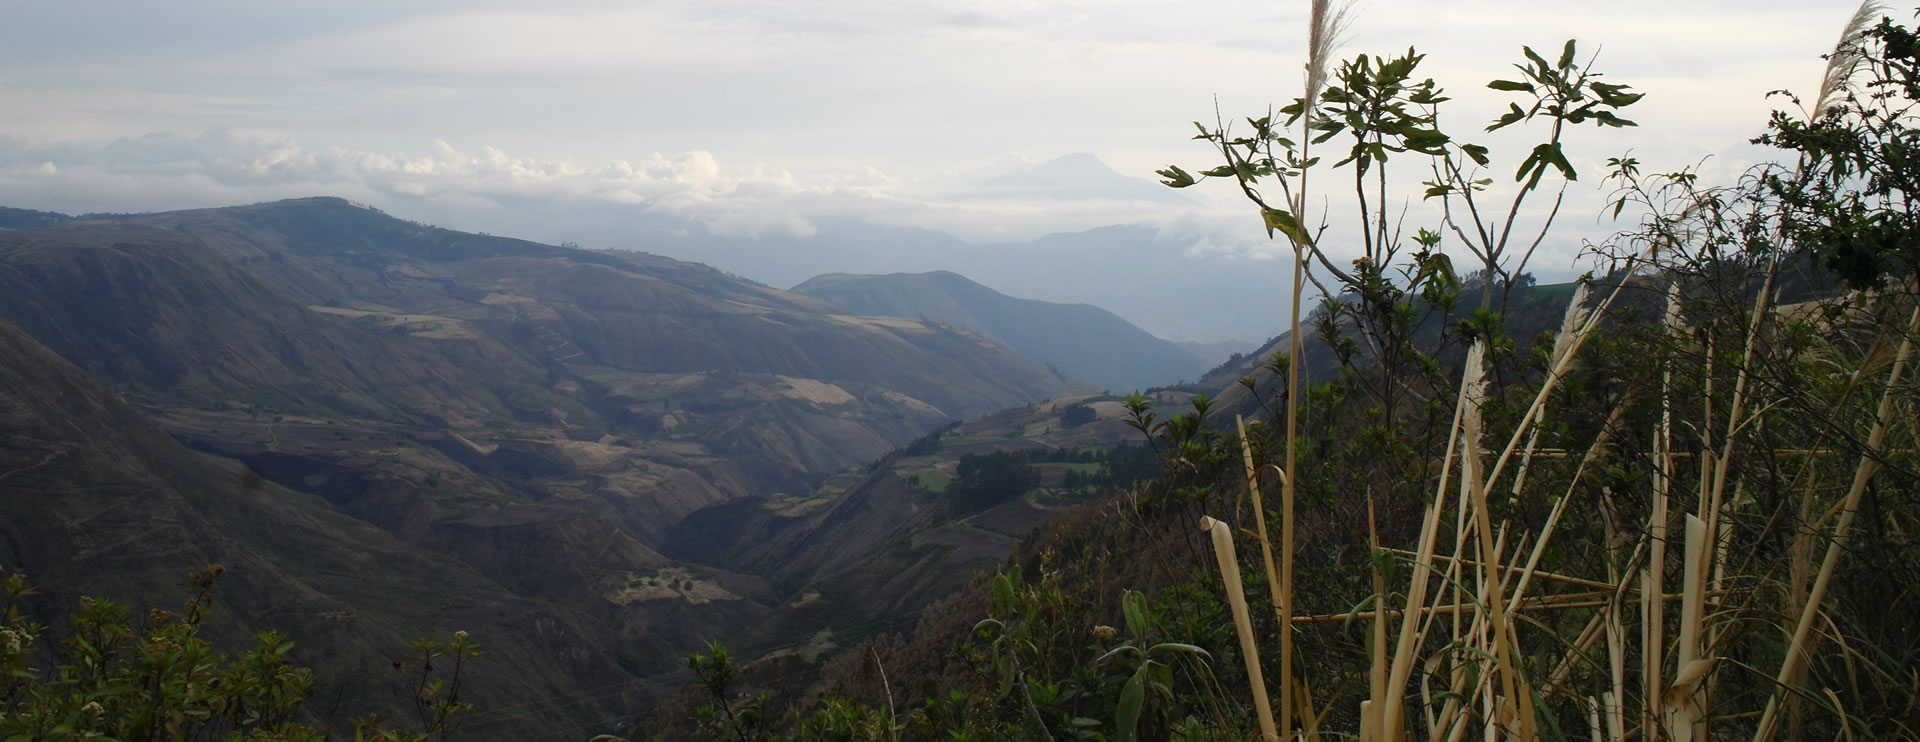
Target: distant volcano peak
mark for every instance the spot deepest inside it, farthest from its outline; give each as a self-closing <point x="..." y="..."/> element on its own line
<point x="1074" y="177"/>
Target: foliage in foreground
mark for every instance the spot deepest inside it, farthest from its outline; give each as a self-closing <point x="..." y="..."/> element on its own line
<point x="1686" y="514"/>
<point x="114" y="677"/>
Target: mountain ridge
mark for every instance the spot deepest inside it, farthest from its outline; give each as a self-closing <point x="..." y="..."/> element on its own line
<point x="1080" y="339"/>
<point x="534" y="418"/>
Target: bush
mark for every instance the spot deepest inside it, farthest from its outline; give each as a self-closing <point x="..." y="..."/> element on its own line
<point x="113" y="680"/>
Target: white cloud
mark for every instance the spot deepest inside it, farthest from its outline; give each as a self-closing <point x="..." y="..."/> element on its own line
<point x="790" y="115"/>
<point x="165" y="171"/>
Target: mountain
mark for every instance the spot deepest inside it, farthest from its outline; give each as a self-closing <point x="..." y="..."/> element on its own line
<point x="1153" y="278"/>
<point x="530" y="421"/>
<point x="96" y="500"/>
<point x="1076" y="176"/>
<point x="1081" y="340"/>
<point x="29" y="219"/>
<point x="871" y="548"/>
<point x="1216" y="353"/>
<point x="1531" y="310"/>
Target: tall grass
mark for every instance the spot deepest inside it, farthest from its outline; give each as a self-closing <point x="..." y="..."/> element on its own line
<point x="1666" y="644"/>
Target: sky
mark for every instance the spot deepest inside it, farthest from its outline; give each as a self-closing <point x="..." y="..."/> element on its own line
<point x="757" y="117"/>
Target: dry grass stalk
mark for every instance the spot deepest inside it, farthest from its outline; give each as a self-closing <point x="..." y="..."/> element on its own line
<point x="1260" y="518"/>
<point x="1653" y="610"/>
<point x="1518" y="707"/>
<point x="1556" y="577"/>
<point x="1324" y="23"/>
<point x="1539" y="549"/>
<point x="1615" y="626"/>
<point x="1472" y="396"/>
<point x="1616" y="717"/>
<point x="1717" y="465"/>
<point x="1575" y="655"/>
<point x="1242" y="620"/>
<point x="1569" y="325"/>
<point x="1653" y="616"/>
<point x="1595" y="599"/>
<point x="1310" y="720"/>
<point x="1401" y="665"/>
<point x="1842" y="530"/>
<point x="1685" y="702"/>
<point x="1371" y="729"/>
<point x="1582" y="320"/>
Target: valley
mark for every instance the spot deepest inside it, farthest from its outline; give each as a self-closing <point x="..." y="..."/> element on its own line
<point x="548" y="423"/>
<point x="904" y="389"/>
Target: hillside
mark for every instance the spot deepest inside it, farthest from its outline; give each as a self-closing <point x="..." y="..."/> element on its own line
<point x="1081" y="340"/>
<point x="536" y="417"/>
<point x="873" y="548"/>
<point x="95" y="500"/>
<point x="1533" y="310"/>
<point x="1218" y="352"/>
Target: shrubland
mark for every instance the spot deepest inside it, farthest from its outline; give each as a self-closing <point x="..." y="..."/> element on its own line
<point x="1681" y="511"/>
<point x="112" y="675"/>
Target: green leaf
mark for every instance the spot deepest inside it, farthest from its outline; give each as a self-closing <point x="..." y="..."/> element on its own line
<point x="1566" y="56"/>
<point x="1175" y="177"/>
<point x="1003" y="595"/>
<point x="1535" y="161"/>
<point x="1126" y="712"/>
<point x="1133" y="607"/>
<point x="1559" y="160"/>
<point x="1535" y="57"/>
<point x="1284" y="223"/>
<point x="1180" y="647"/>
<point x="1512" y="115"/>
<point x="1477" y="153"/>
<point x="1426" y="141"/>
<point x="1115" y="652"/>
<point x="1606" y="118"/>
<point x="1511" y="86"/>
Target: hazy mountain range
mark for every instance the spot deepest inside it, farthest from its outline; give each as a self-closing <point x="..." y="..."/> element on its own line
<point x="1157" y="263"/>
<point x="602" y="458"/>
<point x="1081" y="340"/>
<point x="519" y="426"/>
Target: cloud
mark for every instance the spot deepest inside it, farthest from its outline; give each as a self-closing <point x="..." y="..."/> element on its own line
<point x="784" y="117"/>
<point x="904" y="85"/>
<point x="163" y="170"/>
<point x="629" y="202"/>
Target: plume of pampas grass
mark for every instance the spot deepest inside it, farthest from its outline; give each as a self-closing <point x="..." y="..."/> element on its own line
<point x="1570" y="323"/>
<point x="1846" y="56"/>
<point x="1327" y="21"/>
